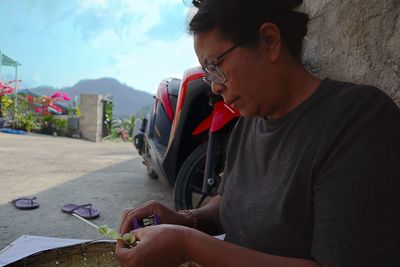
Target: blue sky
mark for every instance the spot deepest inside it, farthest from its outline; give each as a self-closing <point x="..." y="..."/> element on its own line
<point x="58" y="43"/>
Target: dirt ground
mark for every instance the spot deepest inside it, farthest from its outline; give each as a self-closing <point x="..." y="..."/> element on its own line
<point x="60" y="170"/>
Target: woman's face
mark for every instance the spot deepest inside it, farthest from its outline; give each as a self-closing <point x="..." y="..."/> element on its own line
<point x="246" y="83"/>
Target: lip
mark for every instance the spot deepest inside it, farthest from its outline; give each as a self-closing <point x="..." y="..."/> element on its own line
<point x="231" y="101"/>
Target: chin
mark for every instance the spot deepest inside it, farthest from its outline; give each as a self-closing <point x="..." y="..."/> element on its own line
<point x="247" y="109"/>
<point x="248" y="113"/>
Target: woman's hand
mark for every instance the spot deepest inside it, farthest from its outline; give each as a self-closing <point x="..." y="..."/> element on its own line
<point x="166" y="215"/>
<point x="159" y="245"/>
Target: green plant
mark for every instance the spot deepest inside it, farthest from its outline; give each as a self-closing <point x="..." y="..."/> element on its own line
<point x="60" y="125"/>
<point x="49" y="118"/>
<point x="5" y="100"/>
<point x="74" y="111"/>
<point x="121" y="128"/>
<point x="108" y="114"/>
<point x="7" y="104"/>
<point x="25" y="121"/>
<point x="127" y="125"/>
<point x="113" y="134"/>
<point x="47" y="123"/>
<point x="133" y="119"/>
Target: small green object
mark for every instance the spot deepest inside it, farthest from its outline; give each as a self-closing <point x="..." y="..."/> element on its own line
<point x="103" y="229"/>
<point x="129" y="239"/>
<point x="111" y="233"/>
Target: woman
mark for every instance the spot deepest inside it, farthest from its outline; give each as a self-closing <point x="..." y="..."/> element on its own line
<point x="312" y="171"/>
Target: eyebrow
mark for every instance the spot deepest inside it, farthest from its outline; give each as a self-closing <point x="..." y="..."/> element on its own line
<point x="218" y="58"/>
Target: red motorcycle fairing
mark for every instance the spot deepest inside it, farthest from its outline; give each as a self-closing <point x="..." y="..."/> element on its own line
<point x="163" y="97"/>
<point x="188" y="76"/>
<point x="221" y="115"/>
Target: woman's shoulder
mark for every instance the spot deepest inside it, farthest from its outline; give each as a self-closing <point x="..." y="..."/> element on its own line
<point x="351" y="91"/>
<point x="348" y="96"/>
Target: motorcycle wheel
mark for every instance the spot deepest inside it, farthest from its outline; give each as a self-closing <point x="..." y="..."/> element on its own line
<point x="150" y="171"/>
<point x="188" y="185"/>
<point x="149" y="166"/>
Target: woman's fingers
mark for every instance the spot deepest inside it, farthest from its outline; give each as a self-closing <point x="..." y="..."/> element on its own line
<point x="140" y="212"/>
<point x="125" y="217"/>
<point x="123" y="254"/>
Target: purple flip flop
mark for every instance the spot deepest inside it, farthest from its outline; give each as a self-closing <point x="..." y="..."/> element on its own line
<point x="25" y="203"/>
<point x="85" y="211"/>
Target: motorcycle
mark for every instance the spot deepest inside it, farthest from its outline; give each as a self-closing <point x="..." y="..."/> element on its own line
<point x="184" y="137"/>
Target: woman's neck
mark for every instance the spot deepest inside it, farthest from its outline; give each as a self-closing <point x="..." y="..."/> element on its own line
<point x="297" y="85"/>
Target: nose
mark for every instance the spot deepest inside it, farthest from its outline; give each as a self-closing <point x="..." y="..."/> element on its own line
<point x="217" y="88"/>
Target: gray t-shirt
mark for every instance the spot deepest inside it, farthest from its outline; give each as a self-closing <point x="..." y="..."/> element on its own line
<point x="321" y="182"/>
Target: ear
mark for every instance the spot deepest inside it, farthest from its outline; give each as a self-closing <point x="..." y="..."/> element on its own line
<point x="270" y="41"/>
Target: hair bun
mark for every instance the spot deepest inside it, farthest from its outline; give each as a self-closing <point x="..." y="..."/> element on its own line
<point x="290" y="4"/>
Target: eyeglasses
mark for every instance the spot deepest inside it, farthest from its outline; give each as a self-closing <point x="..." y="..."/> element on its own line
<point x="213" y="73"/>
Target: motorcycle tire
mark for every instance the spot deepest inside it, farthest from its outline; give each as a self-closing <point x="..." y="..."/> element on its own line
<point x="149" y="166"/>
<point x="150" y="171"/>
<point x="188" y="185"/>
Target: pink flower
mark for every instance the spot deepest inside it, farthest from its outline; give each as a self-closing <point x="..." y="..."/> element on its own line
<point x="66" y="97"/>
<point x="5" y="89"/>
<point x="38" y="110"/>
<point x="56" y="95"/>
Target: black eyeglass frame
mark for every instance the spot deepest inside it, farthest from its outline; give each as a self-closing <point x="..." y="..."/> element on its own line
<point x="209" y="75"/>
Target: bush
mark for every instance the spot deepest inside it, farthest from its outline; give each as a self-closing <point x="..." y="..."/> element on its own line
<point x="26" y="121"/>
<point x="61" y="126"/>
<point x="122" y="129"/>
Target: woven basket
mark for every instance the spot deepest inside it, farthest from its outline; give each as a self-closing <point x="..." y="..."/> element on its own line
<point x="92" y="254"/>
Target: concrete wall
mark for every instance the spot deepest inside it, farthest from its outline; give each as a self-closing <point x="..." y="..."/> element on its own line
<point x="355" y="40"/>
<point x="90" y="122"/>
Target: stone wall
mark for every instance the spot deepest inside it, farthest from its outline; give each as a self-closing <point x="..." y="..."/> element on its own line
<point x="91" y="119"/>
<point x="355" y="40"/>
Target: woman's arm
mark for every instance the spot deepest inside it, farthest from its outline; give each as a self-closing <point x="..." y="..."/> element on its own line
<point x="206" y="218"/>
<point x="169" y="245"/>
<point x="206" y="251"/>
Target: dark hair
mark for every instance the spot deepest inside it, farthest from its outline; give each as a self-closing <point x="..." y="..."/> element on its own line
<point x="239" y="21"/>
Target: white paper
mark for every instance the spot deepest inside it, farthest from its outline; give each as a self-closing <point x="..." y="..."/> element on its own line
<point x="27" y="245"/>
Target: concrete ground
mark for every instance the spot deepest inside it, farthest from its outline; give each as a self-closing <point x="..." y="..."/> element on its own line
<point x="60" y="170"/>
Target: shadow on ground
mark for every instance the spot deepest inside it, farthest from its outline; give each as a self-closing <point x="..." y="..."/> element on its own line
<point x="110" y="190"/>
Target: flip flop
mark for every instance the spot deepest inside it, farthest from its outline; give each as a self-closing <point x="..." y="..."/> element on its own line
<point x="25" y="203"/>
<point x="86" y="211"/>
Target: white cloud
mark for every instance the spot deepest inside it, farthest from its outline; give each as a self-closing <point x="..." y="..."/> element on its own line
<point x="107" y="40"/>
<point x="144" y="67"/>
<point x="36" y="78"/>
<point x="88" y="4"/>
<point x="137" y="59"/>
<point x="117" y="41"/>
<point x="130" y="19"/>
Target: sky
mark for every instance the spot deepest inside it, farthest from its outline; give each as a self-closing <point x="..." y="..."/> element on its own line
<point x="58" y="43"/>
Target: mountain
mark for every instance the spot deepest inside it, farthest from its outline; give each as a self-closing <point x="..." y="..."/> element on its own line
<point x="127" y="100"/>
